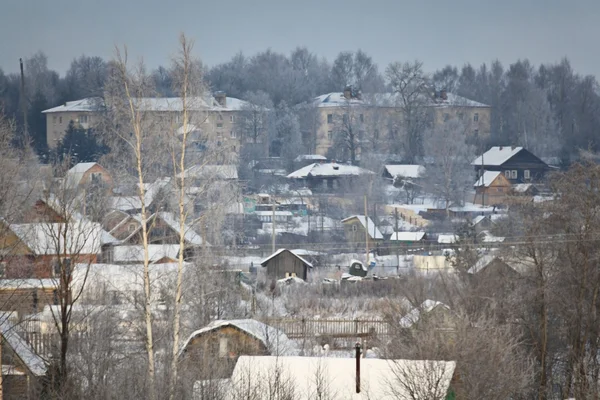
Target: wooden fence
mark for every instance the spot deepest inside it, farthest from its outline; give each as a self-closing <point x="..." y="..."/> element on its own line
<point x="336" y="328"/>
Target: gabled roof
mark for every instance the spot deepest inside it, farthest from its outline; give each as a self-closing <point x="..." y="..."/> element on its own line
<point x="278" y="252"/>
<point x="82" y="237"/>
<point x="74" y="175"/>
<point x="33" y="362"/>
<point x="89" y="104"/>
<point x="487" y="178"/>
<point x="407" y="236"/>
<point x="405" y="170"/>
<point x="374" y="232"/>
<point x="274" y="340"/>
<point x="413" y="316"/>
<point x="497" y="155"/>
<point x="328" y="170"/>
<point x="378" y="377"/>
<point x="173" y="222"/>
<point x="486" y="260"/>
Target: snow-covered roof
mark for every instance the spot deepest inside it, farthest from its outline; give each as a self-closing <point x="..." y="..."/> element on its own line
<point x="30" y="283"/>
<point x="133" y="254"/>
<point x="407" y="236"/>
<point x="314" y="157"/>
<point x="327" y="170"/>
<point x="413" y="316"/>
<point x="487" y="178"/>
<point x="275" y="341"/>
<point x="125" y="203"/>
<point x="336" y="99"/>
<point x="483" y="262"/>
<point x="521" y="187"/>
<point x="189" y="234"/>
<point x="82" y="237"/>
<point x="489" y="238"/>
<point x="21" y="348"/>
<point x="338" y="376"/>
<point x="90" y="104"/>
<point x="212" y="172"/>
<point x="374" y="232"/>
<point x="278" y="252"/>
<point x="447" y="239"/>
<point x="497" y="155"/>
<point x="406" y="171"/>
<point x="74" y="175"/>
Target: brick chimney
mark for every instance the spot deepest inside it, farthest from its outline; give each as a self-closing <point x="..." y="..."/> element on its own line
<point x="221" y="98"/>
<point x="348" y="92"/>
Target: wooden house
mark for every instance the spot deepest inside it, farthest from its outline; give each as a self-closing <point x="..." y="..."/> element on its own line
<point x="408" y="240"/>
<point x="285" y="264"/>
<point x="27" y="296"/>
<point x="212" y="352"/>
<point x="32" y="250"/>
<point x="23" y="371"/>
<point x="330" y="177"/>
<point x="355" y="228"/>
<point x="434" y="313"/>
<point x="88" y="174"/>
<point x="491" y="188"/>
<point x="517" y="164"/>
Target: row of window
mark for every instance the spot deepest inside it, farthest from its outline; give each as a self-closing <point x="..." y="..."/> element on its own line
<point x="513" y="174"/>
<point x="82" y="119"/>
<point x="361" y="118"/>
<point x="461" y="116"/>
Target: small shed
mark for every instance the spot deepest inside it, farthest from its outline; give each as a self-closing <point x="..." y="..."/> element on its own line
<point x="212" y="352"/>
<point x="285" y="263"/>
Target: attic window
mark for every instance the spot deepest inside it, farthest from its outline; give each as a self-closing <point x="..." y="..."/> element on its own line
<point x="354" y="228"/>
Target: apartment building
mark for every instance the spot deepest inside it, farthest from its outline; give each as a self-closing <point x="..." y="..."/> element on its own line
<point x="214" y="115"/>
<point x="374" y="116"/>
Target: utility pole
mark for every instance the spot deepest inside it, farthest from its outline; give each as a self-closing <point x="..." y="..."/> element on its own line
<point x="273" y="225"/>
<point x="23" y="99"/>
<point x="397" y="244"/>
<point x="366" y="232"/>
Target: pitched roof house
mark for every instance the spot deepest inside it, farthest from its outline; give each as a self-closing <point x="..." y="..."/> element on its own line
<point x="212" y="352"/>
<point x="517" y="164"/>
<point x="285" y="263"/>
<point x="327" y="177"/>
<point x="491" y="188"/>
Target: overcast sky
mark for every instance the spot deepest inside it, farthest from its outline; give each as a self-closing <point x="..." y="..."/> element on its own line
<point x="435" y="32"/>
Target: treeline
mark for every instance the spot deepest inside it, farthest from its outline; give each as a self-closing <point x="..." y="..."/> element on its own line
<point x="549" y="104"/>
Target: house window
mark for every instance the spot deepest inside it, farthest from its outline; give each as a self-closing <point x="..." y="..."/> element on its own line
<point x="219" y="117"/>
<point x="330" y="118"/>
<point x="526" y="174"/>
<point x="60" y="120"/>
<point x="329" y="135"/>
<point x="2" y="269"/>
<point x="223" y="347"/>
<point x="57" y="267"/>
<point x="476" y="132"/>
<point x="219" y="135"/>
<point x="83" y="119"/>
<point x="475" y="117"/>
<point x="460" y="116"/>
<point x="290" y="275"/>
<point x="507" y="174"/>
<point x="233" y="135"/>
<point x="131" y="227"/>
<point x="54" y="119"/>
<point x="513" y="174"/>
<point x="354" y="228"/>
<point x="362" y="118"/>
<point x="231" y="118"/>
<point x="219" y="124"/>
<point x="446" y="117"/>
<point x="96" y="177"/>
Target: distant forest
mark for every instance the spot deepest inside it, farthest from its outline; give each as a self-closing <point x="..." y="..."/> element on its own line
<point x="549" y="102"/>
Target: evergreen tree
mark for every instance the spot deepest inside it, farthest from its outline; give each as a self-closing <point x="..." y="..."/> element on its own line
<point x="80" y="145"/>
